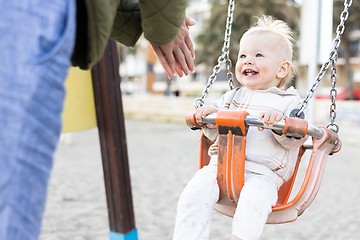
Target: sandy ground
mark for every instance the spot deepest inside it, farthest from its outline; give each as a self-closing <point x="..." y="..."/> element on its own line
<point x="163" y="158"/>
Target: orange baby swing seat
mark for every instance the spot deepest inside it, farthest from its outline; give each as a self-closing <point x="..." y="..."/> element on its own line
<point x="232" y="127"/>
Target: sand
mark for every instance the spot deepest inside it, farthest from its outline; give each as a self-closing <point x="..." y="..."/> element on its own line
<point x="163" y="158"/>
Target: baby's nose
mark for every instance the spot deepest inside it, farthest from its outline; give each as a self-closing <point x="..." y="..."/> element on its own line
<point x="248" y="61"/>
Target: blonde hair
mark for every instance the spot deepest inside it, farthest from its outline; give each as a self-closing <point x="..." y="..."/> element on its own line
<point x="282" y="30"/>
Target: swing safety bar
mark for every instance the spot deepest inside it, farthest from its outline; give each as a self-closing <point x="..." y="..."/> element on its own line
<point x="253" y="121"/>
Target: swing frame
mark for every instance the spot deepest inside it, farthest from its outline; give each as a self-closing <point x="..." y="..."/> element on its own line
<point x="232" y="128"/>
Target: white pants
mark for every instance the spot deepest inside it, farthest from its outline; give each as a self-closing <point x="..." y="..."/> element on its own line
<point x="197" y="201"/>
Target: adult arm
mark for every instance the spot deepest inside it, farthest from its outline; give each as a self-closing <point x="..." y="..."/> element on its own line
<point x="177" y="56"/>
<point x="164" y="25"/>
<point x="127" y="23"/>
<point x="167" y="29"/>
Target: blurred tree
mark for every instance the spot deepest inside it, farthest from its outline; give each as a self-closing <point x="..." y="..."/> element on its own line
<point x="351" y="24"/>
<point x="211" y="40"/>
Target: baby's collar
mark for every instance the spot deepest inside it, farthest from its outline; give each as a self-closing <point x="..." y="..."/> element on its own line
<point x="290" y="91"/>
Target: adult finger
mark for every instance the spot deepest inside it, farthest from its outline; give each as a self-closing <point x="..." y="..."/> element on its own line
<point x="188" y="58"/>
<point x="163" y="61"/>
<point x="190" y="46"/>
<point x="180" y="58"/>
<point x="189" y="21"/>
<point x="178" y="70"/>
<point x="169" y="56"/>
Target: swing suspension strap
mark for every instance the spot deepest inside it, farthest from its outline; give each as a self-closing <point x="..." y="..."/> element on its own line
<point x="333" y="56"/>
<point x="224" y="57"/>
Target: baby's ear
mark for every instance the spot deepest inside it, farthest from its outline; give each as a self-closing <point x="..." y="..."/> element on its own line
<point x="283" y="70"/>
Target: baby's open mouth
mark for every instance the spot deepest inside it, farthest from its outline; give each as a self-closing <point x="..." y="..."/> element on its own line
<point x="249" y="72"/>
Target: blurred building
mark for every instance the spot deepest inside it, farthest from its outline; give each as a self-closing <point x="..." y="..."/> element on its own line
<point x="317" y="53"/>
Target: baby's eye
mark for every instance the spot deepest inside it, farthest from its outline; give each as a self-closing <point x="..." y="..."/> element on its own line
<point x="242" y="56"/>
<point x="259" y="55"/>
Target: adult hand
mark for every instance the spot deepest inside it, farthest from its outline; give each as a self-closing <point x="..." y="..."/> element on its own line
<point x="177" y="56"/>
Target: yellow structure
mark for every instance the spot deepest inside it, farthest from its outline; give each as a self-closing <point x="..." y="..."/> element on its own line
<point x="79" y="107"/>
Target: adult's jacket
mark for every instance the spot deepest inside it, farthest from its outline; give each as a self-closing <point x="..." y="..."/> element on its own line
<point x="123" y="21"/>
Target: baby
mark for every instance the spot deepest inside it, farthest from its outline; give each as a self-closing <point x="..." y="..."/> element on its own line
<point x="264" y="65"/>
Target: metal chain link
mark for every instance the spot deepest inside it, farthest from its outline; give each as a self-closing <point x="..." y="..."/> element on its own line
<point x="223" y="58"/>
<point x="331" y="61"/>
<point x="333" y="93"/>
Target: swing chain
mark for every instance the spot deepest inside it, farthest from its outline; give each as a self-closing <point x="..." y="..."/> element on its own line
<point x="223" y="58"/>
<point x="229" y="73"/>
<point x="333" y="93"/>
<point x="226" y="47"/>
<point x="333" y="56"/>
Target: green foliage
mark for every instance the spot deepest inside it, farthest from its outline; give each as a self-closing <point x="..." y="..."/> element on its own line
<point x="211" y="40"/>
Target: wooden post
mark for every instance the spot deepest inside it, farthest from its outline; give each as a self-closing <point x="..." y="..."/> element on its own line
<point x="110" y="120"/>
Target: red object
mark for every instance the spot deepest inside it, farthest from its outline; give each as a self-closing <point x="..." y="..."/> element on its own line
<point x="343" y="95"/>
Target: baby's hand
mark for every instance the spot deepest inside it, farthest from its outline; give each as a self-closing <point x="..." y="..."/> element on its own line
<point x="202" y="112"/>
<point x="270" y="118"/>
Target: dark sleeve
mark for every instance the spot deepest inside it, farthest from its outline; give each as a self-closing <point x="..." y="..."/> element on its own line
<point x="127" y="23"/>
<point x="162" y="19"/>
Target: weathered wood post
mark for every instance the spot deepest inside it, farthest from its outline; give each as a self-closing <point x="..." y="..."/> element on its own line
<point x="110" y="120"/>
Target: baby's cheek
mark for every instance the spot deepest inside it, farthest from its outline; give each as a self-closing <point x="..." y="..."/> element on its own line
<point x="238" y="71"/>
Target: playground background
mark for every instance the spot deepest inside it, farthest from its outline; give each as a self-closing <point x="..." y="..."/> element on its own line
<point x="163" y="157"/>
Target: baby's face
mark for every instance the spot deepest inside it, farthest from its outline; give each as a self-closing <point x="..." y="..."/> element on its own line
<point x="260" y="61"/>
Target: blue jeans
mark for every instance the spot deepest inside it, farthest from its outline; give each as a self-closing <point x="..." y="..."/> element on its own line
<point x="36" y="43"/>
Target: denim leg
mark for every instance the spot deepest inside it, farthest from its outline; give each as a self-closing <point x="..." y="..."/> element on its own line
<point x="37" y="39"/>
